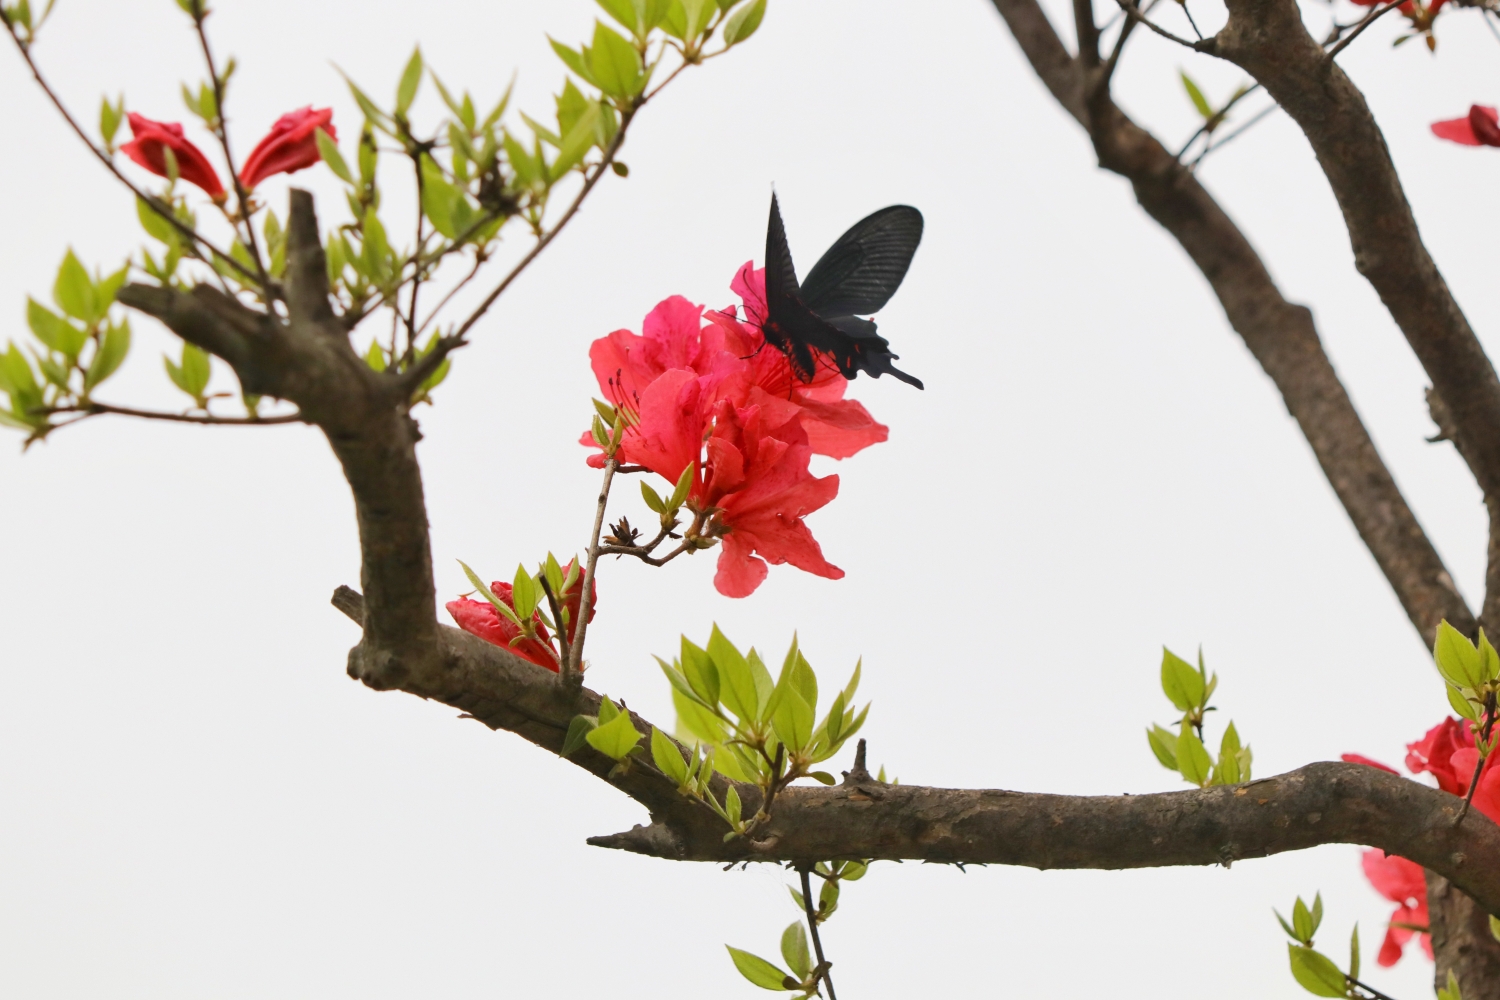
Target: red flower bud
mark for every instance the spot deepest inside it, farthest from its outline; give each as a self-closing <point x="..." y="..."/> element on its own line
<point x="146" y="149"/>
<point x="291" y="145"/>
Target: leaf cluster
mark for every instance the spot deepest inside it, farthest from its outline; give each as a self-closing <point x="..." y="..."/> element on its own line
<point x="801" y="975"/>
<point x="1189" y="689"/>
<point x="1314" y="971"/>
<point x="762" y="731"/>
<point x="1472" y="676"/>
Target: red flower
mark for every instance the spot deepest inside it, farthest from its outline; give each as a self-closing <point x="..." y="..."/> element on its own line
<point x="1481" y="127"/>
<point x="146" y="149"/>
<point x="1487" y="795"/>
<point x="480" y="618"/>
<point x="758" y="479"/>
<point x="1402" y="882"/>
<point x="1434" y="753"/>
<point x="732" y="362"/>
<point x="290" y="146"/>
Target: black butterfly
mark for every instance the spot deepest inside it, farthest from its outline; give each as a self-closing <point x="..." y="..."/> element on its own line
<point x="858" y="275"/>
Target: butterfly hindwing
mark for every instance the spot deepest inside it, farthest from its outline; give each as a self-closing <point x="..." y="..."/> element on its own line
<point x="864" y="267"/>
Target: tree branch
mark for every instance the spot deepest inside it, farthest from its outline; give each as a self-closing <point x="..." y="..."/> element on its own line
<point x="1280" y="334"/>
<point x="1327" y="803"/>
<point x="1268" y="40"/>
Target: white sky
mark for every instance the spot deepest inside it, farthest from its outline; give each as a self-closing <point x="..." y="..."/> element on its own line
<point x="198" y="803"/>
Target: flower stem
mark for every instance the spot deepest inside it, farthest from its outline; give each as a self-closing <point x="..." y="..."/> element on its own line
<point x="572" y="670"/>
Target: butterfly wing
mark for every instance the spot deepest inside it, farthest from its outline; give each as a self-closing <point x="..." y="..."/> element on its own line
<point x="864" y="267"/>
<point x="790" y="326"/>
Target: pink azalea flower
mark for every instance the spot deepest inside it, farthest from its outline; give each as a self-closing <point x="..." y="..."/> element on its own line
<point x="1402" y="882"/>
<point x="480" y="618"/>
<point x="147" y="147"/>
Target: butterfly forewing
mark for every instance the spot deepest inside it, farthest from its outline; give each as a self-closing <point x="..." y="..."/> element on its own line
<point x="862" y="270"/>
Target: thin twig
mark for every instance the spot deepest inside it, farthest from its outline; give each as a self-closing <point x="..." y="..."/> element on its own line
<point x="557" y="618"/>
<point x="1368" y="20"/>
<point x="1219" y="115"/>
<point x="812" y="926"/>
<point x="551" y="234"/>
<point x="572" y="672"/>
<point x="151" y="200"/>
<point x="1376" y="994"/>
<point x="1489" y="22"/>
<point x="1484" y="734"/>
<point x="221" y="129"/>
<point x="1134" y="13"/>
<point x="1194" y="24"/>
<point x="1232" y="135"/>
<point x="97" y="409"/>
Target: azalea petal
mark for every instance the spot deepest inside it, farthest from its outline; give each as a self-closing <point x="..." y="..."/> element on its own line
<point x="1484" y="122"/>
<point x="1354" y="758"/>
<point x="1390" y="948"/>
<point x="1395" y="878"/>
<point x="1455" y="130"/>
<point x="739" y="573"/>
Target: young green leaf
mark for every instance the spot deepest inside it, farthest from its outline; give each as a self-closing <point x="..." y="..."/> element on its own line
<point x="1192" y="758"/>
<point x="74" y="291"/>
<point x="653" y="500"/>
<point x="1354" y="953"/>
<point x="1316" y="972"/>
<point x="1457" y="658"/>
<point x="1450" y="992"/>
<point x="738" y="687"/>
<point x="1196" y="96"/>
<point x="114" y="344"/>
<point x="1181" y="682"/>
<point x="1164" y="746"/>
<point x="698" y="667"/>
<point x="615" y="738"/>
<point x="578" y="730"/>
<point x="411" y="79"/>
<point x="501" y="608"/>
<point x="668" y="757"/>
<point x="680" y="491"/>
<point x="758" y="970"/>
<point x="743" y="22"/>
<point x="614" y="63"/>
<point x="794" y="950"/>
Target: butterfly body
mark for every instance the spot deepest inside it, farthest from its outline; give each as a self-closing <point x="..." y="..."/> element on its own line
<point x="824" y="314"/>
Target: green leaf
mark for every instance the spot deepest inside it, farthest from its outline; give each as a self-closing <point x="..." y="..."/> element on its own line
<point x="615" y="738"/>
<point x="652" y="499"/>
<point x="1316" y="972"/>
<point x="578" y="730"/>
<point x="757" y="970"/>
<point x="576" y="143"/>
<point x="114" y="344"/>
<point x="574" y="60"/>
<point x="375" y="356"/>
<point x="1227" y="772"/>
<point x="793" y="721"/>
<point x="625" y="13"/>
<point x="680" y="491"/>
<point x="74" y="291"/>
<point x="52" y="330"/>
<point x="1302" y="921"/>
<point x="1199" y="101"/>
<point x="1192" y="758"/>
<point x="828" y="900"/>
<point x="697" y="14"/>
<point x="411" y="79"/>
<point x="1489" y="660"/>
<point x="1290" y="931"/>
<point x="1164" y="745"/>
<point x="702" y="676"/>
<point x="607" y="710"/>
<point x="732" y="805"/>
<point x="1495" y="927"/>
<point x="615" y="64"/>
<point x="743" y="22"/>
<point x="524" y="593"/>
<point x="1451" y="991"/>
<point x="1180" y="681"/>
<point x="1354" y="953"/>
<point x="329" y="151"/>
<point x="501" y="608"/>
<point x="1462" y="705"/>
<point x="738" y="690"/>
<point x="823" y="777"/>
<point x="667" y="757"/>
<point x="110" y="116"/>
<point x="794" y="950"/>
<point x="1457" y="659"/>
<point x="698" y="721"/>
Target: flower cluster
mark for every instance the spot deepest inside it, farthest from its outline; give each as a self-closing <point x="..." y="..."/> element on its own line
<point x="1480" y="127"/>
<point x="291" y="145"/>
<point x="527" y="636"/>
<point x="1448" y="753"/>
<point x="699" y="389"/>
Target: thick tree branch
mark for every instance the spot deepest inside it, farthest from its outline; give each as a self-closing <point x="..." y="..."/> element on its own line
<point x="1329" y="803"/>
<point x="1279" y="333"/>
<point x="1268" y="40"/>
